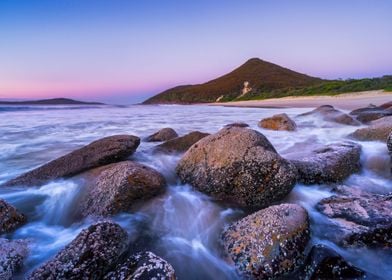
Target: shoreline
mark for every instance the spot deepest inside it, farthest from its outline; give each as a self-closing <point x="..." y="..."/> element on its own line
<point x="345" y="101"/>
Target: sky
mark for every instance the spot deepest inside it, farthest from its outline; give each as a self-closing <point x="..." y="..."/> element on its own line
<point x="119" y="51"/>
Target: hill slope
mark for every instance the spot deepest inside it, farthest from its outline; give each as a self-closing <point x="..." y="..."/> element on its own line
<point x="53" y="101"/>
<point x="260" y="76"/>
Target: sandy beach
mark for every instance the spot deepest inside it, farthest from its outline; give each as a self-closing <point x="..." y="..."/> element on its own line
<point x="346" y="101"/>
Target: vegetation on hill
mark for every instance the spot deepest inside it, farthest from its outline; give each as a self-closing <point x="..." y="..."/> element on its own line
<point x="261" y="76"/>
<point x="53" y="101"/>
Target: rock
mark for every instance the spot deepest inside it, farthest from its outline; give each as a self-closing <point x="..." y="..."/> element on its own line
<point x="239" y="165"/>
<point x="180" y="144"/>
<point x="372" y="113"/>
<point x="378" y="130"/>
<point x="324" y="263"/>
<point x="89" y="256"/>
<point x="103" y="151"/>
<point x="237" y="124"/>
<point x="145" y="265"/>
<point x="278" y="122"/>
<point x="119" y="186"/>
<point x="361" y="218"/>
<point x="269" y="243"/>
<point x="10" y="218"/>
<point x="164" y="134"/>
<point x="389" y="143"/>
<point x="386" y="105"/>
<point x="12" y="254"/>
<point x="332" y="163"/>
<point x="329" y="113"/>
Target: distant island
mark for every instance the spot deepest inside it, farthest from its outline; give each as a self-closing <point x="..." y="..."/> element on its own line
<point x="257" y="79"/>
<point x="53" y="101"/>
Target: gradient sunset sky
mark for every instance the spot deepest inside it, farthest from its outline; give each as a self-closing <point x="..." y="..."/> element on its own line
<point x="124" y="51"/>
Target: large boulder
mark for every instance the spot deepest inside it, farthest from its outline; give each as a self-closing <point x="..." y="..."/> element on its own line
<point x="378" y="130"/>
<point x="10" y="218"/>
<point x="278" y="122"/>
<point x="269" y="243"/>
<point x="329" y="113"/>
<point x="118" y="187"/>
<point x="164" y="134"/>
<point x="238" y="165"/>
<point x="89" y="256"/>
<point x="103" y="151"/>
<point x="360" y="218"/>
<point x="325" y="263"/>
<point x="332" y="163"/>
<point x="180" y="144"/>
<point x="12" y="255"/>
<point x="144" y="265"/>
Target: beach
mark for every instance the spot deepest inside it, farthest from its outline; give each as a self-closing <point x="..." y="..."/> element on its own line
<point x="346" y="101"/>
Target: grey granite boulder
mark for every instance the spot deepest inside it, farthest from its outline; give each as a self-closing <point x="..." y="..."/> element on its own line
<point x="278" y="122"/>
<point x="377" y="130"/>
<point x="103" y="151"/>
<point x="238" y="165"/>
<point x="118" y="187"/>
<point x="164" y="134"/>
<point x="180" y="144"/>
<point x="269" y="243"/>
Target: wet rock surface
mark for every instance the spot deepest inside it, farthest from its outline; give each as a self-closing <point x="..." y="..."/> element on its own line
<point x="269" y="243"/>
<point x="143" y="266"/>
<point x="332" y="163"/>
<point x="238" y="165"/>
<point x="329" y="113"/>
<point x="324" y="263"/>
<point x="89" y="256"/>
<point x="362" y="218"/>
<point x="180" y="144"/>
<point x="377" y="130"/>
<point x="103" y="151"/>
<point x="164" y="134"/>
<point x="278" y="122"/>
<point x="237" y="124"/>
<point x="12" y="255"/>
<point x="10" y="217"/>
<point x="366" y="115"/>
<point x="118" y="187"/>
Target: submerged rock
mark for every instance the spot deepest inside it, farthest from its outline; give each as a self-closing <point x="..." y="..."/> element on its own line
<point x="278" y="122"/>
<point x="118" y="186"/>
<point x="180" y="144"/>
<point x="378" y="130"/>
<point x="144" y="265"/>
<point x="103" y="151"/>
<point x="89" y="256"/>
<point x="237" y="124"/>
<point x="10" y="218"/>
<point x="164" y="134"/>
<point x="332" y="163"/>
<point x="324" y="263"/>
<point x="269" y="243"/>
<point x="362" y="218"/>
<point x="329" y="113"/>
<point x="239" y="165"/>
<point x="12" y="254"/>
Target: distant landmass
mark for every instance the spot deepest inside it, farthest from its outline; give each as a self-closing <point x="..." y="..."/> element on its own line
<point x="53" y="101"/>
<point x="259" y="79"/>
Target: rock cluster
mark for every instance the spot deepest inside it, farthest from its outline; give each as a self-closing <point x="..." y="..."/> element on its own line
<point x="238" y="165"/>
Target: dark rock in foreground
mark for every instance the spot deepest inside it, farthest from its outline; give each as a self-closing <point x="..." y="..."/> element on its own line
<point x="180" y="144"/>
<point x="378" y="130"/>
<point x="103" y="151"/>
<point x="89" y="256"/>
<point x="118" y="186"/>
<point x="278" y="122"/>
<point x="12" y="254"/>
<point x="361" y="218"/>
<point x="145" y="265"/>
<point x="164" y="134"/>
<point x="332" y="163"/>
<point x="10" y="218"/>
<point x="329" y="113"/>
<point x="269" y="243"/>
<point x="324" y="263"/>
<point x="238" y="165"/>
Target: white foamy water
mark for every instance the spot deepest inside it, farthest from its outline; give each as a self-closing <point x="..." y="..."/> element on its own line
<point x="183" y="226"/>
